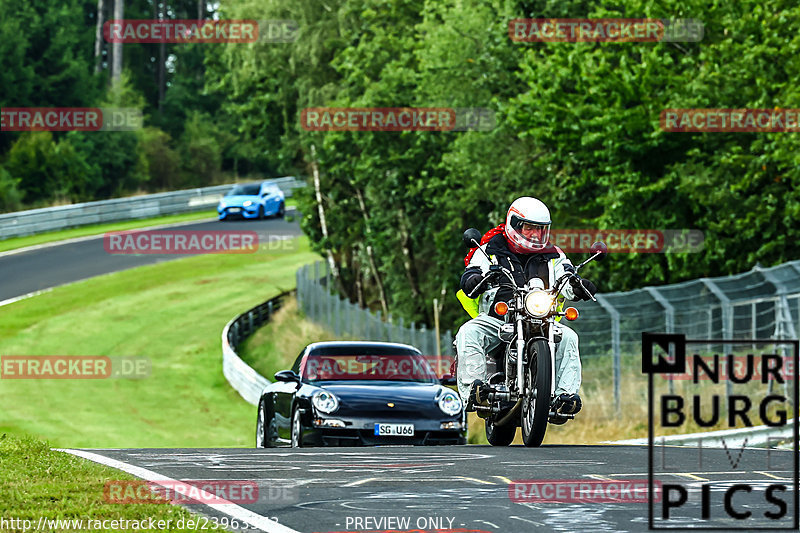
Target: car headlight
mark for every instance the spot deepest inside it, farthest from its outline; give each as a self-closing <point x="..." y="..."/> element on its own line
<point x="325" y="402"/>
<point x="539" y="303"/>
<point x="450" y="403"/>
<point x="248" y="203"/>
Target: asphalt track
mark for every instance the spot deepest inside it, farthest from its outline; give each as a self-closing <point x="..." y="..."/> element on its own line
<point x="466" y="488"/>
<point x="443" y="489"/>
<point x="51" y="265"/>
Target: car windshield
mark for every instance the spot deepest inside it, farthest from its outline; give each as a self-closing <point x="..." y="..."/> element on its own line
<point x="244" y="190"/>
<point x="384" y="367"/>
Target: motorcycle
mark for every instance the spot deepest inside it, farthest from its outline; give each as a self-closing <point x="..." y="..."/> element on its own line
<point x="524" y="393"/>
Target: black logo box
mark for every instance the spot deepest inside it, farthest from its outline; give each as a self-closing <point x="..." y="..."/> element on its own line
<point x="678" y="366"/>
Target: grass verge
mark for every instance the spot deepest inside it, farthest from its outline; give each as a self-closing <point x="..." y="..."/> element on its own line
<point x="277" y="343"/>
<point x="170" y="313"/>
<point x="38" y="483"/>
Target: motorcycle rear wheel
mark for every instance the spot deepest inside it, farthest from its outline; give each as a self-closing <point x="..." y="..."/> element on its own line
<point x="536" y="411"/>
<point x="500" y="435"/>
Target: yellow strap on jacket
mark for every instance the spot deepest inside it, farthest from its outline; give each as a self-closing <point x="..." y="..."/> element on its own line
<point x="470" y="305"/>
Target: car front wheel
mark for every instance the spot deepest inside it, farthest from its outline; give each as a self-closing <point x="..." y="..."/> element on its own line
<point x="260" y="427"/>
<point x="297" y="429"/>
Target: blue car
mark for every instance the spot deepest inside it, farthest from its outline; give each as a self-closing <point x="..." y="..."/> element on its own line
<point x="252" y="200"/>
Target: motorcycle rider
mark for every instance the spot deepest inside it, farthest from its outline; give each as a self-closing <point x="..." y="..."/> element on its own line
<point x="522" y="246"/>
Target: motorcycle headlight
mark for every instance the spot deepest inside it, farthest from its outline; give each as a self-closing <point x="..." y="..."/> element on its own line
<point x="539" y="304"/>
<point x="248" y="203"/>
<point x="325" y="402"/>
<point x="450" y="403"/>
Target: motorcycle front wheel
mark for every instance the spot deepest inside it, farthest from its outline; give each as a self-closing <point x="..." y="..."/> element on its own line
<point x="536" y="407"/>
<point x="500" y="435"/>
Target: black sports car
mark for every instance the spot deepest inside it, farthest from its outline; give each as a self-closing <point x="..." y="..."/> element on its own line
<point x="359" y="393"/>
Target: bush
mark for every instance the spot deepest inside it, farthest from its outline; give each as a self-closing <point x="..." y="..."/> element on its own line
<point x="201" y="154"/>
<point x="10" y="196"/>
<point x="161" y="162"/>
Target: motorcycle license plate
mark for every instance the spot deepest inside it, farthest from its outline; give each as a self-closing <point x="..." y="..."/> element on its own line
<point x="398" y="430"/>
<point x="234" y="209"/>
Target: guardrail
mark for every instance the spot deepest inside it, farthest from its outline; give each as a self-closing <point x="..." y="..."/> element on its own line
<point x="33" y="221"/>
<point x="754" y="437"/>
<point x="246" y="381"/>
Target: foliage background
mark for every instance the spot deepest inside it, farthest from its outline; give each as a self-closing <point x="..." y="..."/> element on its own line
<point x="577" y="126"/>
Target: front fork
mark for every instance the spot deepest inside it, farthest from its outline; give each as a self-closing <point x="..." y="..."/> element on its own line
<point x="521" y="351"/>
<point x="520" y="348"/>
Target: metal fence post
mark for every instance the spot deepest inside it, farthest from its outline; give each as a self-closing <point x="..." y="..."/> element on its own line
<point x="337" y="325"/>
<point x="299" y="284"/>
<point x="784" y="325"/>
<point x="669" y="323"/>
<point x="317" y="300"/>
<point x="615" y="347"/>
<point x="727" y="327"/>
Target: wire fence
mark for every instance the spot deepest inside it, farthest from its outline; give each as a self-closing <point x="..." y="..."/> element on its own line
<point x="347" y="319"/>
<point x="763" y="303"/>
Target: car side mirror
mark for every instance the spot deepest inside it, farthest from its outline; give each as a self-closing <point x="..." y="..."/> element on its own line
<point x="447" y="379"/>
<point x="287" y="376"/>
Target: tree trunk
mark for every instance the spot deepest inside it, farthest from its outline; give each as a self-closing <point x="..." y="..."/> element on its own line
<point x="321" y="211"/>
<point x="371" y="254"/>
<point x="408" y="256"/>
<point x="116" y="48"/>
<point x="162" y="59"/>
<point x="98" y="37"/>
<point x="359" y="290"/>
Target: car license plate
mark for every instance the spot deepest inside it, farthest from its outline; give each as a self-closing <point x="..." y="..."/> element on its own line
<point x="234" y="209"/>
<point x="403" y="430"/>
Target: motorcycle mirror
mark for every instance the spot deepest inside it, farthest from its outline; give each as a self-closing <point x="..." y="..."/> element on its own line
<point x="470" y="235"/>
<point x="601" y="247"/>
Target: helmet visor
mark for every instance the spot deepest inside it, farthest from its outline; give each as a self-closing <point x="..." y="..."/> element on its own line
<point x="536" y="234"/>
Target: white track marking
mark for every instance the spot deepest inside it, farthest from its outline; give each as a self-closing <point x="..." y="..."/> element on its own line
<point x="230" y="509"/>
<point x="526" y="520"/>
<point x="24" y="296"/>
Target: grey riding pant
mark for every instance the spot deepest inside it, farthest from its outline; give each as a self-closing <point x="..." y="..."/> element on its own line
<point x="479" y="336"/>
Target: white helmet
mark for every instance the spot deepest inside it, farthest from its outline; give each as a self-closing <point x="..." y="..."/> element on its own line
<point x="527" y="225"/>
